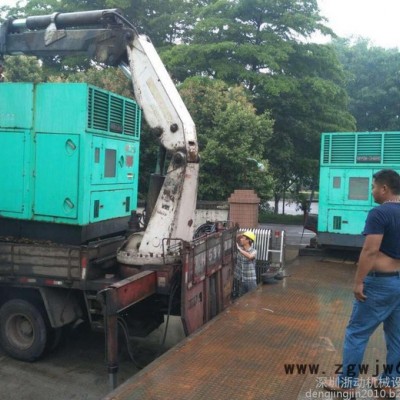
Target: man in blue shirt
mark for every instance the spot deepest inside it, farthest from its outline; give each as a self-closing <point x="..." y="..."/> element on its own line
<point x="376" y="291"/>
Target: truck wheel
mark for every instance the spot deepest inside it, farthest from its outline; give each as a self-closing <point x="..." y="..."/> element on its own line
<point x="23" y="332"/>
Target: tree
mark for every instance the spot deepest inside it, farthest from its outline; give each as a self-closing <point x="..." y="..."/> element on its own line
<point x="22" y="69"/>
<point x="261" y="44"/>
<point x="315" y="103"/>
<point x="373" y="84"/>
<point x="109" y="78"/>
<point x="230" y="136"/>
<point x="166" y="22"/>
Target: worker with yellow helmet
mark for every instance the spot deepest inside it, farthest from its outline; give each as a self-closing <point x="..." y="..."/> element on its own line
<point x="245" y="278"/>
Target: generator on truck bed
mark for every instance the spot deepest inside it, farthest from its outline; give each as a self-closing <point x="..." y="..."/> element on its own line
<point x="69" y="171"/>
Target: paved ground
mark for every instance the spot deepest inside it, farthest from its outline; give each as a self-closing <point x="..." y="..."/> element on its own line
<point x="280" y="342"/>
<point x="76" y="370"/>
<point x="295" y="234"/>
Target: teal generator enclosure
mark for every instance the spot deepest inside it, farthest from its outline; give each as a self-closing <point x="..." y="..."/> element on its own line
<point x="69" y="161"/>
<point x="348" y="161"/>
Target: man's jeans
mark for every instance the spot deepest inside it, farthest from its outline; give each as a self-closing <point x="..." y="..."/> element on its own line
<point x="382" y="305"/>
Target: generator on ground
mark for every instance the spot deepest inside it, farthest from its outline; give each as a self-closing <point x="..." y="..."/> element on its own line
<point x="348" y="162"/>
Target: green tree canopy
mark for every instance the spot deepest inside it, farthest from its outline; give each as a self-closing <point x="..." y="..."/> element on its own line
<point x="373" y="84"/>
<point x="22" y="69"/>
<point x="262" y="45"/>
<point x="231" y="137"/>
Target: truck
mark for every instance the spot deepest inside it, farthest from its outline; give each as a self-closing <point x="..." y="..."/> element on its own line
<point x="71" y="243"/>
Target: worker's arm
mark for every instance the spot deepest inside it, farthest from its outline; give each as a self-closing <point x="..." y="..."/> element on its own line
<point x="366" y="263"/>
<point x="251" y="255"/>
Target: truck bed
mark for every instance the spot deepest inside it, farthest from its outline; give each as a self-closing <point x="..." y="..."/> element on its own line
<point x="253" y="349"/>
<point x="45" y="259"/>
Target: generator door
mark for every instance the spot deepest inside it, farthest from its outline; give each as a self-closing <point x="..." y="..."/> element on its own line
<point x="57" y="175"/>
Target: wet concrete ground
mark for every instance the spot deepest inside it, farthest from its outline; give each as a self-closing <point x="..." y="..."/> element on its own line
<point x="77" y="370"/>
<point x="253" y="349"/>
<point x="295" y="234"/>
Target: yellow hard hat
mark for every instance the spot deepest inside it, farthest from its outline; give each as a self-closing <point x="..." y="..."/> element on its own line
<point x="250" y="235"/>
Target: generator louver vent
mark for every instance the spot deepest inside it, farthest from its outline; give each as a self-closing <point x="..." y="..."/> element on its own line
<point x="132" y="119"/>
<point x="361" y="148"/>
<point x="391" y="152"/>
<point x="108" y="112"/>
<point x="116" y="114"/>
<point x="326" y="149"/>
<point x="343" y="147"/>
<point x="369" y="145"/>
<point x="337" y="222"/>
<point x="99" y="115"/>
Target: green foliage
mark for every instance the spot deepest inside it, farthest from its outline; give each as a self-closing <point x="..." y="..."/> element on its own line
<point x="244" y="40"/>
<point x="373" y="84"/>
<point x="229" y="134"/>
<point x="312" y="100"/>
<point x="111" y="79"/>
<point x="22" y="69"/>
<point x="260" y="44"/>
<point x="164" y="21"/>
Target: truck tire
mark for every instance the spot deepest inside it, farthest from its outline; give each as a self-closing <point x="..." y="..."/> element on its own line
<point x="23" y="332"/>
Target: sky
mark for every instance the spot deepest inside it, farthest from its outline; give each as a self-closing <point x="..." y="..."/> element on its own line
<point x="376" y="20"/>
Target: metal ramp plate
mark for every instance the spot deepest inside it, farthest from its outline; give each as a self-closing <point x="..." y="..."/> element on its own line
<point x="242" y="353"/>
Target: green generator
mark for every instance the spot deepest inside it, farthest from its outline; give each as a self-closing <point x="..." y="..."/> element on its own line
<point x="69" y="161"/>
<point x="348" y="162"/>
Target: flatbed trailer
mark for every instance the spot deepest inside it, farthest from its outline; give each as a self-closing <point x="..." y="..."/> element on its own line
<point x="279" y="342"/>
<point x="59" y="284"/>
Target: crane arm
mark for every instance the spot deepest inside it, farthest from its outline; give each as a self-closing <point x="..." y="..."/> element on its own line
<point x="95" y="33"/>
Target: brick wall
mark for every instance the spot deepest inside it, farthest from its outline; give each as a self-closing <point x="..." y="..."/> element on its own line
<point x="244" y="208"/>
